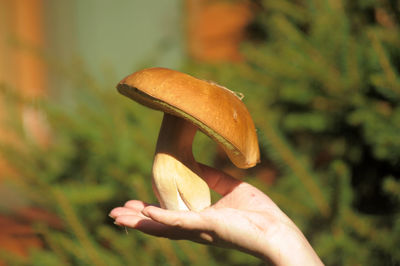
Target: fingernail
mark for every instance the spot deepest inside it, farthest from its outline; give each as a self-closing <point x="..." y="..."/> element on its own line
<point x="117" y="223"/>
<point x="109" y="215"/>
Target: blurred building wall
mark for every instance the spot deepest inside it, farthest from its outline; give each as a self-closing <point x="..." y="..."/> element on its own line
<point x="39" y="36"/>
<point x="215" y="29"/>
<point x="21" y="69"/>
<point x="115" y="35"/>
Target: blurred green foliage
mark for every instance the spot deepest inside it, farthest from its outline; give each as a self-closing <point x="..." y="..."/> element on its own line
<point x="100" y="156"/>
<point x="321" y="80"/>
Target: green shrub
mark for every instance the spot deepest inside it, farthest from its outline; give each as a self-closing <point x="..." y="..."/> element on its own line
<point x="321" y="79"/>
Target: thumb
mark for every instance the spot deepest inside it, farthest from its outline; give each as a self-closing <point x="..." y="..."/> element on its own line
<point x="188" y="220"/>
<point x="218" y="181"/>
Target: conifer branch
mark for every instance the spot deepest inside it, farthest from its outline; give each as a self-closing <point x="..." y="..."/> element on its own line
<point x="390" y="74"/>
<point x="289" y="204"/>
<point x="197" y="255"/>
<point x="167" y="249"/>
<point x="53" y="245"/>
<point x="77" y="228"/>
<point x="284" y="152"/>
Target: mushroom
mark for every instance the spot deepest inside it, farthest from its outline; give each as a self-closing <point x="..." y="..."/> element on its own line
<point x="190" y="104"/>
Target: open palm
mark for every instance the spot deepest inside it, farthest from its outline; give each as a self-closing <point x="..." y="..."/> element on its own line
<point x="244" y="218"/>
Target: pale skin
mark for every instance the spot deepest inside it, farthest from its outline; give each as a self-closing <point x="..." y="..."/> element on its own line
<point x="244" y="219"/>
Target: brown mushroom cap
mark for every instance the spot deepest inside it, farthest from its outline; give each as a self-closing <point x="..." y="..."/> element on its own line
<point x="215" y="110"/>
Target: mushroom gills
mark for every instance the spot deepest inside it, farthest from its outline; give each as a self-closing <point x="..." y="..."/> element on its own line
<point x="177" y="186"/>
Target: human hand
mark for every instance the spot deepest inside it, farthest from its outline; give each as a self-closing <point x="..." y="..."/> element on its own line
<point x="244" y="218"/>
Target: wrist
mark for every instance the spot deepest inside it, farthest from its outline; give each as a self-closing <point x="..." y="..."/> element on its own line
<point x="288" y="246"/>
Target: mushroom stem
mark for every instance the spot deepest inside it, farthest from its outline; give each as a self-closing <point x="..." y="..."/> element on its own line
<point x="176" y="174"/>
<point x="176" y="138"/>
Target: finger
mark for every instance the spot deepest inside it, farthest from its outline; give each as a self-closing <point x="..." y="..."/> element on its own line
<point x="145" y="225"/>
<point x="187" y="220"/>
<point x="119" y="211"/>
<point x="130" y="207"/>
<point x="137" y="205"/>
<point x="114" y="213"/>
<point x="218" y="181"/>
<point x="155" y="228"/>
